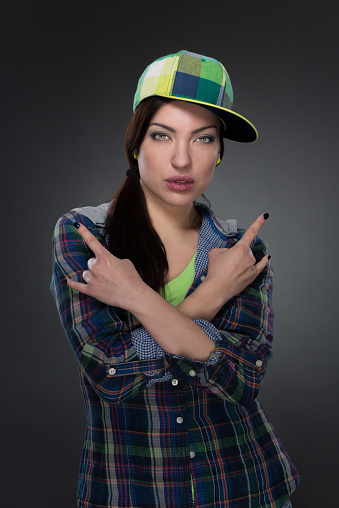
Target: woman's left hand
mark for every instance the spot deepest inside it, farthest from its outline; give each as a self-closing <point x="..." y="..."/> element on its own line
<point x="109" y="279"/>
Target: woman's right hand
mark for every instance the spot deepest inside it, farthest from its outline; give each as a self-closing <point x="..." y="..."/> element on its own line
<point x="110" y="280"/>
<point x="230" y="271"/>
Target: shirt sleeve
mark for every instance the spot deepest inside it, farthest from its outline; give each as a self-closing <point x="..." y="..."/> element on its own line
<point x="146" y="347"/>
<point x="100" y="340"/>
<point x="245" y="329"/>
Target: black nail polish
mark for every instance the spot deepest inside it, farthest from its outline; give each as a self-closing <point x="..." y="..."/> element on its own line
<point x="266" y="215"/>
<point x="76" y="225"/>
<point x="269" y="256"/>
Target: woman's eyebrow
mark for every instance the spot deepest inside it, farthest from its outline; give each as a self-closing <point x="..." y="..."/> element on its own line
<point x="163" y="126"/>
<point x="203" y="128"/>
<point x="174" y="131"/>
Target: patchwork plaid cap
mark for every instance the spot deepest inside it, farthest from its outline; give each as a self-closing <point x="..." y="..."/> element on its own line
<point x="199" y="79"/>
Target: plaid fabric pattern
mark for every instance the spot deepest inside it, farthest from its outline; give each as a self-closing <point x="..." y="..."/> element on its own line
<point x="186" y="75"/>
<point x="199" y="79"/>
<point x="144" y="443"/>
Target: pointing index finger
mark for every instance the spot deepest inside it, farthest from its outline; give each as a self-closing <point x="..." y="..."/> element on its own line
<point x="253" y="229"/>
<point x="90" y="240"/>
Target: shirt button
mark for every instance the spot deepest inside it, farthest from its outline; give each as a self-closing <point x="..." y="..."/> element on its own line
<point x="258" y="363"/>
<point x="192" y="455"/>
<point x="192" y="373"/>
<point x="112" y="371"/>
<point x="202" y="278"/>
<point x="180" y="419"/>
<point x="175" y="382"/>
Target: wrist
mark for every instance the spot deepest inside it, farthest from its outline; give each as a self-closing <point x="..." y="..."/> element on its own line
<point x="143" y="300"/>
<point x="212" y="296"/>
<point x="205" y="302"/>
<point x="217" y="290"/>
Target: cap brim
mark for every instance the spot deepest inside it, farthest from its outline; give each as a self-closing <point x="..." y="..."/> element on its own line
<point x="238" y="128"/>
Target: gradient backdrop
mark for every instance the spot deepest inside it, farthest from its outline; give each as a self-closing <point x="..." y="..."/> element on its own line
<point x="69" y="71"/>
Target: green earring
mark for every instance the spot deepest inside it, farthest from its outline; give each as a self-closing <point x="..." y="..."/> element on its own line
<point x="218" y="161"/>
<point x="134" y="155"/>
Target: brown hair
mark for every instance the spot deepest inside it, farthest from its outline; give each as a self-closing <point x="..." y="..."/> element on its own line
<point x="130" y="232"/>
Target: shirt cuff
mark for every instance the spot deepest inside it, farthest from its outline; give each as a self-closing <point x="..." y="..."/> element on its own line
<point x="146" y="347"/>
<point x="144" y="344"/>
<point x="213" y="334"/>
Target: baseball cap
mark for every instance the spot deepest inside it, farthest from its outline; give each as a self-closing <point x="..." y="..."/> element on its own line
<point x="198" y="79"/>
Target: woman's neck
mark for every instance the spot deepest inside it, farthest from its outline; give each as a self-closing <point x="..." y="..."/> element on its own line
<point x="169" y="219"/>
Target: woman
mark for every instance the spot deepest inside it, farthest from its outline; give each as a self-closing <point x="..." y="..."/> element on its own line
<point x="172" y="354"/>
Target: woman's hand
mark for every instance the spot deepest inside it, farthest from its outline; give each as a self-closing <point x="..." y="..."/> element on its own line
<point x="230" y="271"/>
<point x="111" y="280"/>
<point x="116" y="282"/>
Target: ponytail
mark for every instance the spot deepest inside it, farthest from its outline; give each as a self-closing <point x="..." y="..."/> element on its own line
<point x="130" y="232"/>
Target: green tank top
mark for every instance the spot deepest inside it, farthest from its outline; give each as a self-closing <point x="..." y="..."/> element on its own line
<point x="176" y="289"/>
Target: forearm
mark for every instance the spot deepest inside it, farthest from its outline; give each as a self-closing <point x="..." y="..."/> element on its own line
<point x="204" y="303"/>
<point x="170" y="328"/>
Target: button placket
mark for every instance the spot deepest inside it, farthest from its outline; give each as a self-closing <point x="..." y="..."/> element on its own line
<point x="181" y="431"/>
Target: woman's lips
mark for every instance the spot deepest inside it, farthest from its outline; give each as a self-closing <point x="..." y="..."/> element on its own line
<point x="180" y="183"/>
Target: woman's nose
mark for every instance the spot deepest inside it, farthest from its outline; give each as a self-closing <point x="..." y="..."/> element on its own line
<point x="181" y="157"/>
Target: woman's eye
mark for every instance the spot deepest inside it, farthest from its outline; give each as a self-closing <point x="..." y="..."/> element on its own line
<point x="205" y="139"/>
<point x="159" y="136"/>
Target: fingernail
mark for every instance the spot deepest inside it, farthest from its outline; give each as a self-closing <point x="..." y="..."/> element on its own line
<point x="266" y="215"/>
<point x="76" y="225"/>
<point x="269" y="256"/>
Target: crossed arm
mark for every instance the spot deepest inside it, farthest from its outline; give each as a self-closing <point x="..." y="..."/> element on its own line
<point x="116" y="283"/>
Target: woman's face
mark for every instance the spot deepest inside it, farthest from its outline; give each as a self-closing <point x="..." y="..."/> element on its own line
<point x="178" y="155"/>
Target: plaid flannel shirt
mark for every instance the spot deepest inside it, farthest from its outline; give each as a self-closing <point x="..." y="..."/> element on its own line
<point x="151" y="431"/>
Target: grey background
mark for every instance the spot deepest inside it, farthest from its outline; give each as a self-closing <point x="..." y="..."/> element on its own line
<point x="69" y="72"/>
